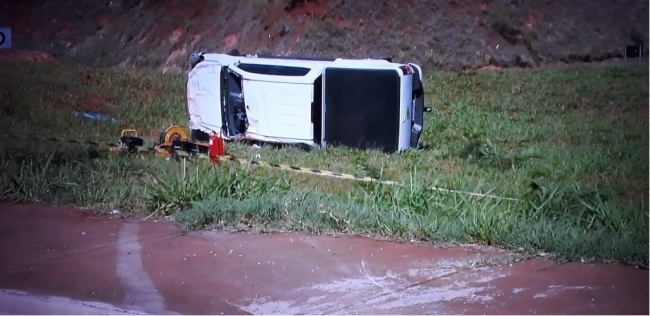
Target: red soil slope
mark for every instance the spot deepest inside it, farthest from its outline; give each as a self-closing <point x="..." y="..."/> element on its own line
<point x="454" y="34"/>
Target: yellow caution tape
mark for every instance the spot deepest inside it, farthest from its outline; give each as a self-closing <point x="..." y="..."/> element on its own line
<point x="327" y="173"/>
<point x="227" y="158"/>
<point x="62" y="140"/>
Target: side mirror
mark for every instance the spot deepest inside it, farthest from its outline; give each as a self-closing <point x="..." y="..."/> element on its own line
<point x="428" y="109"/>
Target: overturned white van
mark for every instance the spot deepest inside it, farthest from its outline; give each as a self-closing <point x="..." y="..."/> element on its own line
<point x="364" y="103"/>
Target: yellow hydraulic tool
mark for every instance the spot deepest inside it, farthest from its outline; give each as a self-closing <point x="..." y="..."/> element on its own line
<point x="168" y="137"/>
<point x="171" y="134"/>
<point x="129" y="140"/>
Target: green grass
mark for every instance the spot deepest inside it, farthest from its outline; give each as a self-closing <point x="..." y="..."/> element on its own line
<point x="571" y="144"/>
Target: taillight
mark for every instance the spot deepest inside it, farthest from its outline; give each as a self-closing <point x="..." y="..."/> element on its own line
<point x="406" y="70"/>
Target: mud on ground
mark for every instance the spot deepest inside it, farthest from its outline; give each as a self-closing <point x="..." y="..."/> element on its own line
<point x="72" y="261"/>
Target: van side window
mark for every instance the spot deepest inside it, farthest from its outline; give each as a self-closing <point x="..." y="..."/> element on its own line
<point x="274" y="70"/>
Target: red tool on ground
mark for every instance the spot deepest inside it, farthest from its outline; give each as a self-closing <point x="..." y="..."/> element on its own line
<point x="216" y="148"/>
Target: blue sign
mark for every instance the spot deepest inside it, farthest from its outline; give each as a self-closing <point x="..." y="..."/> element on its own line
<point x="5" y="37"/>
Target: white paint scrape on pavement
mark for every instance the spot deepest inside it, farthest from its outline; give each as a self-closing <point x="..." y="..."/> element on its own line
<point x="386" y="293"/>
<point x="139" y="289"/>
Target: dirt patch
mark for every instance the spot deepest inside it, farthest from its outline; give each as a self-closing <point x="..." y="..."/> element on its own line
<point x="449" y="166"/>
<point x="316" y="8"/>
<point x="230" y="41"/>
<point x="104" y="20"/>
<point x="561" y="140"/>
<point x="468" y="6"/>
<point x="531" y="21"/>
<point x="90" y="76"/>
<point x="176" y="35"/>
<point x="175" y="54"/>
<point x="291" y="17"/>
<point x="94" y="104"/>
<point x="179" y="53"/>
<point x="490" y="67"/>
<point x="26" y="56"/>
<point x="341" y="22"/>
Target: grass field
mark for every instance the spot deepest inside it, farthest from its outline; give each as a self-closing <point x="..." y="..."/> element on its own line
<point x="571" y="144"/>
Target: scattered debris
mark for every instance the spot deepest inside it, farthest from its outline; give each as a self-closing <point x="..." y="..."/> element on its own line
<point x="95" y="116"/>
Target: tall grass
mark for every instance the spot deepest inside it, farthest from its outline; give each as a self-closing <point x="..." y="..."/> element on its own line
<point x="68" y="176"/>
<point x="570" y="144"/>
<point x="171" y="190"/>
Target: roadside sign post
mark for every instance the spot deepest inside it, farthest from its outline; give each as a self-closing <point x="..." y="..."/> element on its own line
<point x="632" y="51"/>
<point x="5" y="37"/>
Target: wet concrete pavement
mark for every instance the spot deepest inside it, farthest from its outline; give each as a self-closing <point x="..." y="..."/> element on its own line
<point x="69" y="260"/>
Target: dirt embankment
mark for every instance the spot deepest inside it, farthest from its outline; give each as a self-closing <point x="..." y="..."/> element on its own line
<point x="441" y="35"/>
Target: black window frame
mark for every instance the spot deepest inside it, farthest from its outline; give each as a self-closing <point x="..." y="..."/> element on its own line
<point x="274" y="70"/>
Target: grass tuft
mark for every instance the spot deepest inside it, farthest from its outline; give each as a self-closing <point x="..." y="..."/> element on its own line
<point x="172" y="189"/>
